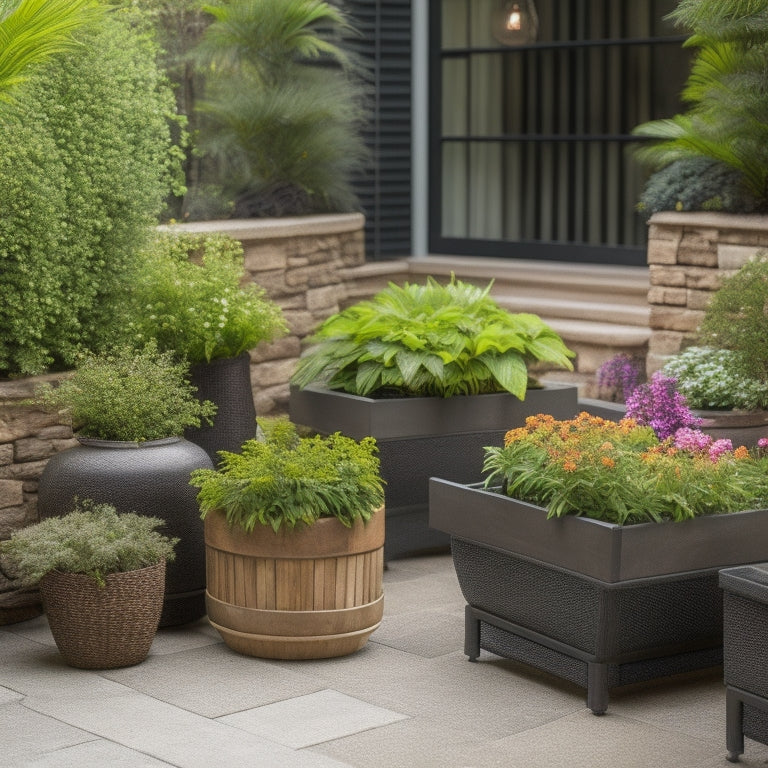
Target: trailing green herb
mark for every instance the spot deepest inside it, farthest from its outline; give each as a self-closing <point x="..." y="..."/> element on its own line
<point x="286" y="480"/>
<point x="430" y="340"/>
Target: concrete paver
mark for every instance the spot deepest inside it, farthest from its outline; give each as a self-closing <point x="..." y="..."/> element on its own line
<point x="409" y="698"/>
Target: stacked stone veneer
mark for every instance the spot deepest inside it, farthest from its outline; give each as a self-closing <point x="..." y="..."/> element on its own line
<point x="301" y="264"/>
<point x="689" y="254"/>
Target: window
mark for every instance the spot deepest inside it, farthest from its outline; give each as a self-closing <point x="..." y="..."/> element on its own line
<point x="531" y="152"/>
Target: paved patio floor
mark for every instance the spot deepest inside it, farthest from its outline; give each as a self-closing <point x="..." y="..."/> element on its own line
<point x="409" y="699"/>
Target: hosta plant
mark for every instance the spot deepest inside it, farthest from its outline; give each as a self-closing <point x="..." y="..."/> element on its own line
<point x="430" y="340"/>
<point x="92" y="539"/>
<point x="622" y="473"/>
<point x="287" y="480"/>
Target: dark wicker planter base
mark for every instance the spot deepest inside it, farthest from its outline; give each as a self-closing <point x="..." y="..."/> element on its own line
<point x="593" y="633"/>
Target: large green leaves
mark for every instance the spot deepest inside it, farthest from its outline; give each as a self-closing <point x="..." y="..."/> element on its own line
<point x="431" y="339"/>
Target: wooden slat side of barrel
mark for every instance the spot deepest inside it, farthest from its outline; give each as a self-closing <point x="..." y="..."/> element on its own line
<point x="303" y="594"/>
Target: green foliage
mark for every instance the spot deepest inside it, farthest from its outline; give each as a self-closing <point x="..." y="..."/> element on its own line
<point x="93" y="539"/>
<point x="188" y="296"/>
<point x="621" y="473"/>
<point x="727" y="91"/>
<point x="283" y="106"/>
<point x="85" y="167"/>
<point x="286" y="480"/>
<point x="129" y="395"/>
<point x="711" y="379"/>
<point x="736" y="318"/>
<point x="695" y="184"/>
<point x="429" y="340"/>
<point x="31" y="31"/>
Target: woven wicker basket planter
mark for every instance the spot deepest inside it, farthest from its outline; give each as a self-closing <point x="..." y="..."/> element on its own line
<point x="423" y="437"/>
<point x="303" y="594"/>
<point x="598" y="604"/>
<point x="104" y="627"/>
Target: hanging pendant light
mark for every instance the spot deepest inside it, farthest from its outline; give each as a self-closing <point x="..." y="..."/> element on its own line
<point x="515" y="22"/>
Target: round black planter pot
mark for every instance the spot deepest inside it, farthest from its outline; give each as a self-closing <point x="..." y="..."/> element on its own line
<point x="226" y="382"/>
<point x="151" y="479"/>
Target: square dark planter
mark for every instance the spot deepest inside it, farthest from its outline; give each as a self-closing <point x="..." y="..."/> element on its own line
<point x="598" y="604"/>
<point x="745" y="649"/>
<point x="422" y="437"/>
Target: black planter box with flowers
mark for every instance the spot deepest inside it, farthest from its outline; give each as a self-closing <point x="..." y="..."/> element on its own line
<point x="598" y="603"/>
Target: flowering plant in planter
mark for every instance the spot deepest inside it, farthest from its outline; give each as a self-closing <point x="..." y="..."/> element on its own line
<point x="621" y="472"/>
<point x="620" y="375"/>
<point x="710" y="379"/>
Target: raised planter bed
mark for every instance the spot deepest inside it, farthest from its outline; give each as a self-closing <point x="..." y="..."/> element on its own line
<point x="598" y="604"/>
<point x="422" y="437"/>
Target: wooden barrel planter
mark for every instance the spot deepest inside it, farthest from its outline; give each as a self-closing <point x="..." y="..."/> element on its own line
<point x="303" y="594"/>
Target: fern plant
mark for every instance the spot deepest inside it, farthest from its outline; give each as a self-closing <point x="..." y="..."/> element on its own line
<point x="430" y="340"/>
<point x="282" y="110"/>
<point x="92" y="539"/>
<point x="727" y="121"/>
<point x="287" y="480"/>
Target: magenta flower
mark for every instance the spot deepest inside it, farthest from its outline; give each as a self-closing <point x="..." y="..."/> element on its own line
<point x="718" y="448"/>
<point x="660" y="406"/>
<point x="692" y="440"/>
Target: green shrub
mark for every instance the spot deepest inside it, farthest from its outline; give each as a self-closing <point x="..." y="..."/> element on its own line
<point x="736" y="318"/>
<point x="696" y="184"/>
<point x="429" y="340"/>
<point x="285" y="480"/>
<point x="86" y="164"/>
<point x="92" y="539"/>
<point x="189" y="297"/>
<point x="131" y="395"/>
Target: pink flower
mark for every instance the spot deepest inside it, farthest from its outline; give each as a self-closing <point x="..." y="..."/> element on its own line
<point x="692" y="440"/>
<point x="718" y="448"/>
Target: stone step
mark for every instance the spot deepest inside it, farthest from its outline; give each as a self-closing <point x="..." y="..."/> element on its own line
<point x="588" y="311"/>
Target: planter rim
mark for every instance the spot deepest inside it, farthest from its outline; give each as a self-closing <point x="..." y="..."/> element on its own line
<point x="328" y="410"/>
<point x="606" y="551"/>
<point x="95" y="442"/>
<point x="327" y="537"/>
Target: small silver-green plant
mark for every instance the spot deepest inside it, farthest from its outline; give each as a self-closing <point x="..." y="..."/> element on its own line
<point x="92" y="539"/>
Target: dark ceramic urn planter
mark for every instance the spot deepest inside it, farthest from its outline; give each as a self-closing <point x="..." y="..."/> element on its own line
<point x="598" y="604"/>
<point x="422" y="437"/>
<point x="151" y="479"/>
<point x="226" y="382"/>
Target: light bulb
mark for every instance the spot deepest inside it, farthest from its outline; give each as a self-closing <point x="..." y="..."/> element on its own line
<point x="514" y="20"/>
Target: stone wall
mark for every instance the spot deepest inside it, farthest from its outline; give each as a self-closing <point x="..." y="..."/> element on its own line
<point x="300" y="262"/>
<point x="689" y="254"/>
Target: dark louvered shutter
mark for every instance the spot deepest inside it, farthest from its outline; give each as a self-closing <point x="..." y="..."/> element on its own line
<point x="384" y="45"/>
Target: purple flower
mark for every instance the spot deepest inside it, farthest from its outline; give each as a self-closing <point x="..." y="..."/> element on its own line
<point x="762" y="442"/>
<point x="660" y="406"/>
<point x="622" y="374"/>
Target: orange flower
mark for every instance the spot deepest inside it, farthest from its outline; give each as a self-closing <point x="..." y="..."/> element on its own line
<point x="606" y="446"/>
<point x="607" y="461"/>
<point x="742" y="452"/>
<point x="514" y="435"/>
<point x="569" y="466"/>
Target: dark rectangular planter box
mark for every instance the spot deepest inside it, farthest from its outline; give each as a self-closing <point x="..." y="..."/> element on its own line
<point x="421" y="437"/>
<point x="745" y="650"/>
<point x="598" y="604"/>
